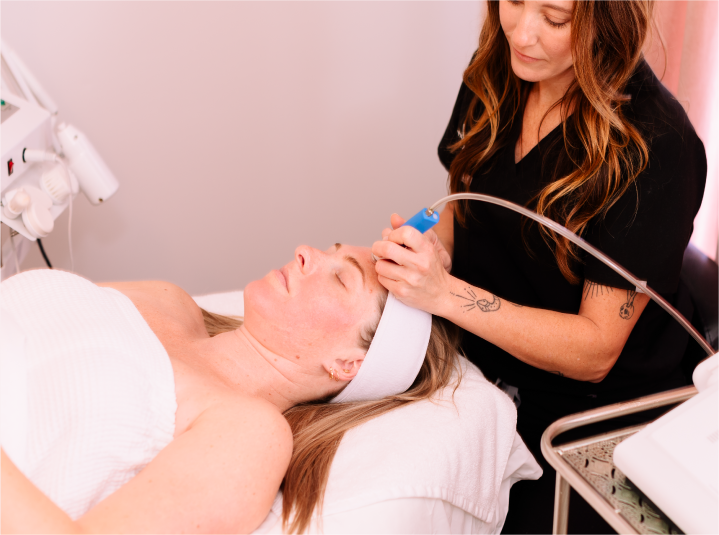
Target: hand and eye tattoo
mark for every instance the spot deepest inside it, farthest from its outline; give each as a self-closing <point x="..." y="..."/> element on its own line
<point x="482" y="304"/>
<point x="627" y="309"/>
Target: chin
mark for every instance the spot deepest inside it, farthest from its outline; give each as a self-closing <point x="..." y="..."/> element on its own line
<point x="263" y="299"/>
<point x="256" y="295"/>
<point x="524" y="73"/>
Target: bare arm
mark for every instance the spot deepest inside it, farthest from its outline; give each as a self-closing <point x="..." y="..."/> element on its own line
<point x="582" y="346"/>
<point x="219" y="476"/>
<point x="445" y="228"/>
<point x="25" y="509"/>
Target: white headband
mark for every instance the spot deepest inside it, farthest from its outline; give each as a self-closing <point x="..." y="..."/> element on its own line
<point x="395" y="355"/>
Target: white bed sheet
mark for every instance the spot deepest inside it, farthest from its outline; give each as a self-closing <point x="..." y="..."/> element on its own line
<point x="402" y="515"/>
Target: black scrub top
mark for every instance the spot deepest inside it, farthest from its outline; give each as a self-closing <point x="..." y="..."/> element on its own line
<point x="646" y="231"/>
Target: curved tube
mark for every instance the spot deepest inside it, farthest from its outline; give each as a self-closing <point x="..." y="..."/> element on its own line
<point x="571" y="236"/>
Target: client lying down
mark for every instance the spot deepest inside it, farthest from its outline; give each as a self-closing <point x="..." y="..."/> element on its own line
<point x="137" y="411"/>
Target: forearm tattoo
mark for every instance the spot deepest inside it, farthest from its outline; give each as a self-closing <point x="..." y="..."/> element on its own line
<point x="470" y="301"/>
<point x="592" y="289"/>
<point x="626" y="311"/>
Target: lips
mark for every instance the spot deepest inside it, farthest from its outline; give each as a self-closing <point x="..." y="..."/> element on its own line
<point x="523" y="57"/>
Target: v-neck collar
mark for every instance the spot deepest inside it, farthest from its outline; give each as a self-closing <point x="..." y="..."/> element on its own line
<point x="516" y="133"/>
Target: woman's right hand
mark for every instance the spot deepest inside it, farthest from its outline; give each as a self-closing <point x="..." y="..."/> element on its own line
<point x="397" y="221"/>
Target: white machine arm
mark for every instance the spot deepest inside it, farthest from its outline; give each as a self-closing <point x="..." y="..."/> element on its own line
<point x="43" y="165"/>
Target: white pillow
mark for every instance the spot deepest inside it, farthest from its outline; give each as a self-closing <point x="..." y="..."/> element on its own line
<point x="459" y="451"/>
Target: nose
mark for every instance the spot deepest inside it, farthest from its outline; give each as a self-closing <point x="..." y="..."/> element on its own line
<point x="307" y="258"/>
<point x="524" y="34"/>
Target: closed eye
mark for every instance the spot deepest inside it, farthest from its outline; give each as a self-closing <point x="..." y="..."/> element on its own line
<point x="555" y="24"/>
<point x="338" y="278"/>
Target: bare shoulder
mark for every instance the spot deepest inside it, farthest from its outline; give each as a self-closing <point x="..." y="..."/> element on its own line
<point x="258" y="421"/>
<point x="165" y="306"/>
<point x="253" y="446"/>
<point x="154" y="288"/>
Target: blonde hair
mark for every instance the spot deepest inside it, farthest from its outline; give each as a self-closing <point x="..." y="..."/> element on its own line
<point x="604" y="151"/>
<point x="318" y="426"/>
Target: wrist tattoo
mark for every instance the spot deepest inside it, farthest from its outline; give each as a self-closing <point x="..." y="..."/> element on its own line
<point x="592" y="289"/>
<point x="626" y="311"/>
<point x="482" y="304"/>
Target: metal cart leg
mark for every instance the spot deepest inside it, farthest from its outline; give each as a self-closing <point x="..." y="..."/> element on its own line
<point x="561" y="506"/>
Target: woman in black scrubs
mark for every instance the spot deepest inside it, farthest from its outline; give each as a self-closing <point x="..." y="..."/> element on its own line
<point x="559" y="112"/>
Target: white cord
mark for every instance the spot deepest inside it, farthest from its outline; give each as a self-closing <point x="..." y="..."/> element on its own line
<point x="69" y="214"/>
<point x="14" y="252"/>
<point x="30" y="155"/>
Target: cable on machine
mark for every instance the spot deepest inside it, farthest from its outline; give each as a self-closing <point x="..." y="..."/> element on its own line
<point x="42" y="250"/>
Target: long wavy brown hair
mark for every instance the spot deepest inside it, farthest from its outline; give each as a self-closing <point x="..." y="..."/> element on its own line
<point x="318" y="427"/>
<point x="604" y="152"/>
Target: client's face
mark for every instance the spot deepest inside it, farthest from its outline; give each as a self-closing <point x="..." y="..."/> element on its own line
<point x="315" y="307"/>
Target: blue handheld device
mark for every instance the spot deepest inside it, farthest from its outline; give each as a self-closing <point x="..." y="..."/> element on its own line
<point x="421" y="221"/>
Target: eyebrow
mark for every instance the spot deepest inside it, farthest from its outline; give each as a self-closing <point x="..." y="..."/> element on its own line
<point x="552" y="6"/>
<point x="352" y="260"/>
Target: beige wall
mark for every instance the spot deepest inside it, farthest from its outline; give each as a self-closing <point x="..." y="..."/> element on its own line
<point x="239" y="130"/>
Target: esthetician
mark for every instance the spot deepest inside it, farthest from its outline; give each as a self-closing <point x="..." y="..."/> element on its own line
<point x="559" y="112"/>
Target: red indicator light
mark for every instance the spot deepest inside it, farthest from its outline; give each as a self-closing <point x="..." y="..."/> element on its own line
<point x="10" y="166"/>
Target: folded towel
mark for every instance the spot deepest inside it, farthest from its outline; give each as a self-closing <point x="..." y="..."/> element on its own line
<point x="453" y="449"/>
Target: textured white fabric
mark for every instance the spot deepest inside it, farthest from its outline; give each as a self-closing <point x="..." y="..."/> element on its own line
<point x="226" y="303"/>
<point x="402" y="515"/>
<point x="452" y="449"/>
<point x="13" y="389"/>
<point x="100" y="387"/>
<point x="460" y="454"/>
<point x="452" y="462"/>
<point x="395" y="356"/>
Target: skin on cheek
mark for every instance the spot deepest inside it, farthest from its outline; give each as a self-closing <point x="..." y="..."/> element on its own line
<point x="320" y="315"/>
<point x="301" y="327"/>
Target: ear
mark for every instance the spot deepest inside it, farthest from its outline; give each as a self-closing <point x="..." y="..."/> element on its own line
<point x="345" y="369"/>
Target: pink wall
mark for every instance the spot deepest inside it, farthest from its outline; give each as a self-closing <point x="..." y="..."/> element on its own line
<point x="239" y="130"/>
<point x="691" y="72"/>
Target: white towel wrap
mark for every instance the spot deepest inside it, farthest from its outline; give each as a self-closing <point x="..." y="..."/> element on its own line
<point x="395" y="355"/>
<point x="88" y="391"/>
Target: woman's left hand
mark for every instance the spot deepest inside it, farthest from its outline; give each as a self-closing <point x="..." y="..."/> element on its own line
<point x="413" y="266"/>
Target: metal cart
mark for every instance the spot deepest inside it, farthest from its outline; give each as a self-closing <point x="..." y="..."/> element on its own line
<point x="587" y="466"/>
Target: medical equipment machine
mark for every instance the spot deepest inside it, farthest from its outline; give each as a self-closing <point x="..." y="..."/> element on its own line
<point x="674" y="459"/>
<point x="44" y="165"/>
